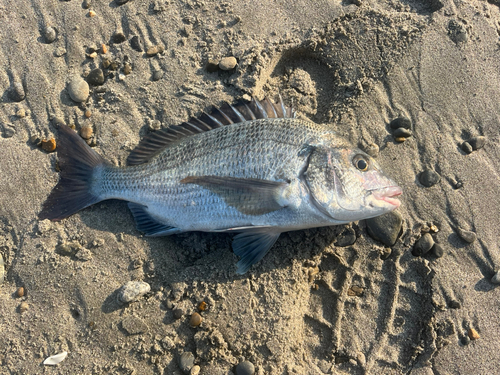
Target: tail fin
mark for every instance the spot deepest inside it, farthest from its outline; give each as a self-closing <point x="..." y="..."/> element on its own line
<point x="73" y="192"/>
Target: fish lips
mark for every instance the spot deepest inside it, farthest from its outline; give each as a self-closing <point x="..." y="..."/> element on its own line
<point x="388" y="194"/>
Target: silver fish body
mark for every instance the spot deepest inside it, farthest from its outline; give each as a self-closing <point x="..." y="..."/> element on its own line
<point x="257" y="177"/>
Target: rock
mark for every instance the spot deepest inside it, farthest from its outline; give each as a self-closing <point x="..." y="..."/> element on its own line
<point x="20" y="292"/>
<point x="195" y="320"/>
<point x="228" y="63"/>
<point x="437" y="250"/>
<point x="346" y="238"/>
<point x="9" y="131"/>
<point x="86" y="4"/>
<point x="78" y="89"/>
<point x="178" y="313"/>
<point x="402" y="132"/>
<point x="119" y="37"/>
<point x="355" y="291"/>
<point x="135" y="43"/>
<point x="127" y="68"/>
<point x="385" y="228"/>
<point x="157" y="75"/>
<point x="96" y="77"/>
<point x="16" y="92"/>
<point x="495" y="279"/>
<point x="195" y="370"/>
<point x="466" y="147"/>
<point x="372" y="149"/>
<point x="154" y="125"/>
<point x="134" y="326"/>
<point x="423" y="245"/>
<point x="50" y="34"/>
<point x="154" y="50"/>
<point x="49" y="145"/>
<point x="245" y="368"/>
<point x="400" y="122"/>
<point x="429" y="178"/>
<point x="466" y="235"/>
<point x="23" y="307"/>
<point x="454" y="305"/>
<point x="121" y="2"/>
<point x="473" y="335"/>
<point x="477" y="142"/>
<point x="132" y="291"/>
<point x="60" y="51"/>
<point x="186" y="362"/>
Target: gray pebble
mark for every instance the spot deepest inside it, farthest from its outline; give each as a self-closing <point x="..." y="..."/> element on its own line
<point x="466" y="147"/>
<point x="60" y="51"/>
<point x="346" y="238"/>
<point x="96" y="77"/>
<point x="402" y="132"/>
<point x="385" y="228"/>
<point x="78" y="89"/>
<point x="186" y="362"/>
<point x="477" y="142"/>
<point x="157" y="75"/>
<point x="49" y="34"/>
<point x="495" y="279"/>
<point x="178" y="313"/>
<point x="245" y="368"/>
<point x="135" y="43"/>
<point x="132" y="291"/>
<point x="400" y="122"/>
<point x="423" y="245"/>
<point x="429" y="178"/>
<point x="454" y="305"/>
<point x="134" y="326"/>
<point x="437" y="250"/>
<point x="154" y="125"/>
<point x="16" y="92"/>
<point x="228" y="63"/>
<point x="119" y="37"/>
<point x="466" y="235"/>
<point x="2" y="269"/>
<point x="86" y="4"/>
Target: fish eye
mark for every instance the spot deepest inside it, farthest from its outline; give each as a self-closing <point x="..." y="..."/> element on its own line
<point x="361" y="163"/>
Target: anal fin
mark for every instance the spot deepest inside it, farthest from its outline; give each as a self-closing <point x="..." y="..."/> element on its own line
<point x="147" y="224"/>
<point x="252" y="245"/>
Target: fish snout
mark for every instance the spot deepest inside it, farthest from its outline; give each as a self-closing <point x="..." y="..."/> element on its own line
<point x="388" y="194"/>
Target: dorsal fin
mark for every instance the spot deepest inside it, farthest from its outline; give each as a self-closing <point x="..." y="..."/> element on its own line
<point x="227" y="114"/>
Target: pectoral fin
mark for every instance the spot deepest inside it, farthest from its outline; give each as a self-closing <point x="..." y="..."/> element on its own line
<point x="251" y="245"/>
<point x="250" y="196"/>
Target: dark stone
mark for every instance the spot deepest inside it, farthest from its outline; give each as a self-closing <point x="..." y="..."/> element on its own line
<point x="466" y="147"/>
<point x="346" y="238"/>
<point x="178" y="313"/>
<point x="121" y="2"/>
<point x="477" y="142"/>
<point x="16" y="92"/>
<point x="385" y="228"/>
<point x="423" y="245"/>
<point x="135" y="43"/>
<point x="437" y="250"/>
<point x="157" y="75"/>
<point x="429" y="178"/>
<point x="245" y="368"/>
<point x="186" y="362"/>
<point x="119" y="37"/>
<point x="400" y="122"/>
<point x="96" y="77"/>
<point x="402" y="132"/>
<point x="454" y="305"/>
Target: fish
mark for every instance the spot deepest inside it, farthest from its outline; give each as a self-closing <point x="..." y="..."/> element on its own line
<point x="252" y="168"/>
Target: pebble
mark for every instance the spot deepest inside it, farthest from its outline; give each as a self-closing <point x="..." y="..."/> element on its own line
<point x="400" y="139"/>
<point x="119" y="37"/>
<point x="429" y="178"/>
<point x="92" y="13"/>
<point x="195" y="370"/>
<point x="477" y="142"/>
<point x="86" y="4"/>
<point x="195" y="320"/>
<point x="16" y="92"/>
<point x="21" y="113"/>
<point x="8" y="131"/>
<point x="132" y="291"/>
<point x="423" y="245"/>
<point x="466" y="235"/>
<point x="454" y="305"/>
<point x="134" y="326"/>
<point x="96" y="77"/>
<point x="104" y="49"/>
<point x="228" y="63"/>
<point x="400" y="122"/>
<point x="385" y="228"/>
<point x="473" y="335"/>
<point x="186" y="362"/>
<point x="20" y="292"/>
<point x="50" y="34"/>
<point x="2" y="269"/>
<point x="127" y="68"/>
<point x="23" y="307"/>
<point x="495" y="279"/>
<point x="212" y="65"/>
<point x="88" y="113"/>
<point x="121" y="2"/>
<point x="157" y="75"/>
<point x="466" y="147"/>
<point x="346" y="238"/>
<point x="437" y="250"/>
<point x="154" y="50"/>
<point x="135" y="43"/>
<point x="402" y="132"/>
<point x="202" y="306"/>
<point x="385" y="253"/>
<point x="86" y="132"/>
<point x="49" y="145"/>
<point x="78" y="89"/>
<point x="60" y="51"/>
<point x="178" y="313"/>
<point x="154" y="125"/>
<point x="372" y="149"/>
<point x="245" y="368"/>
<point x="355" y="291"/>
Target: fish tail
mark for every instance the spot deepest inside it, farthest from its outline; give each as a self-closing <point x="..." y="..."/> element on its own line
<point x="76" y="188"/>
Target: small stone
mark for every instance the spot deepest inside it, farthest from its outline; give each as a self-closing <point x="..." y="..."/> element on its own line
<point x="154" y="50"/>
<point x="465" y="340"/>
<point x="195" y="370"/>
<point x="8" y="131"/>
<point x="400" y="122"/>
<point x="135" y="43"/>
<point x="157" y="75"/>
<point x="20" y="292"/>
<point x="86" y="4"/>
<point x="119" y="37"/>
<point x="495" y="279"/>
<point x="154" y="125"/>
<point x="212" y="65"/>
<point x="186" y="362"/>
<point x="423" y="245"/>
<point x="385" y="228"/>
<point x="121" y="2"/>
<point x="429" y="178"/>
<point x="96" y="77"/>
<point x="437" y="250"/>
<point x="65" y="249"/>
<point x="88" y="113"/>
<point x="355" y="291"/>
<point x="400" y="139"/>
<point x="228" y="63"/>
<point x="2" y="269"/>
<point x="92" y="13"/>
<point x="477" y="142"/>
<point x="60" y="51"/>
<point x="466" y="235"/>
<point x="78" y="89"/>
<point x="23" y="307"/>
<point x="346" y="238"/>
<point x="49" y="145"/>
<point x="202" y="306"/>
<point x="50" y="34"/>
<point x="134" y="326"/>
<point x="473" y="335"/>
<point x="372" y="149"/>
<point x="466" y="147"/>
<point x="106" y="63"/>
<point x="454" y="305"/>
<point x="245" y="368"/>
<point x="385" y="253"/>
<point x="195" y="320"/>
<point x="178" y="313"/>
<point x="402" y="132"/>
<point x="21" y="113"/>
<point x="127" y="68"/>
<point x="114" y="65"/>
<point x="16" y="92"/>
<point x="104" y="49"/>
<point x="132" y="291"/>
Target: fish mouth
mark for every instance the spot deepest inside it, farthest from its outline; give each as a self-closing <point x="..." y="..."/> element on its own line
<point x="388" y="194"/>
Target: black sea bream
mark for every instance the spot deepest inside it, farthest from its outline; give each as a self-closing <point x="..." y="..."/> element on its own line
<point x="249" y="168"/>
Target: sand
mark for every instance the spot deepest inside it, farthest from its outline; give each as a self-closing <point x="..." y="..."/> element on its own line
<point x="354" y="66"/>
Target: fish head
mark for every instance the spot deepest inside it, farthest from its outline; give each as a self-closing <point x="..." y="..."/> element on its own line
<point x="346" y="184"/>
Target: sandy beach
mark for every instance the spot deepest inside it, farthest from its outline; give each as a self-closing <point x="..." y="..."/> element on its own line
<point x="333" y="300"/>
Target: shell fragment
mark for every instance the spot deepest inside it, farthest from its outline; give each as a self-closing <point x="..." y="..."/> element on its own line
<point x="55" y="359"/>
